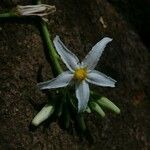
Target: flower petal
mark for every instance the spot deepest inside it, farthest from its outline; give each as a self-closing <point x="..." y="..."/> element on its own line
<point x="82" y="94"/>
<point x="98" y="78"/>
<point x="60" y="81"/>
<point x="92" y="58"/>
<point x="67" y="56"/>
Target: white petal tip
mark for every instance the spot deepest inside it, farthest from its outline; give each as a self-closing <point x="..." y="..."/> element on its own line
<point x="112" y="85"/>
<point x="107" y="39"/>
<point x="56" y="38"/>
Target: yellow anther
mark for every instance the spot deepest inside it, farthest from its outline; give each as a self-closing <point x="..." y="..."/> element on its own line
<point x="80" y="74"/>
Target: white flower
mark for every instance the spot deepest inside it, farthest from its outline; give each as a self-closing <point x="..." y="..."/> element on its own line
<point x="81" y="73"/>
<point x="35" y="10"/>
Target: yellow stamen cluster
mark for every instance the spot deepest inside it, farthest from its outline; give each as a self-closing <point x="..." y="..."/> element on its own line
<point x="80" y="74"/>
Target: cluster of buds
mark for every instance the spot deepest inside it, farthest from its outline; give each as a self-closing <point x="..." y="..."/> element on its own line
<point x="96" y="106"/>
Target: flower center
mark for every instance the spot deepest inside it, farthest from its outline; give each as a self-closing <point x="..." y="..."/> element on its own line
<point x="80" y="74"/>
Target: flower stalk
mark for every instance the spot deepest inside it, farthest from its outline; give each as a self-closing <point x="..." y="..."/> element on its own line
<point x="81" y="122"/>
<point x="8" y="15"/>
<point x="52" y="53"/>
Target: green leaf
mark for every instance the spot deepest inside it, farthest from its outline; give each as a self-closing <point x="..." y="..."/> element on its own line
<point x="94" y="106"/>
<point x="103" y="101"/>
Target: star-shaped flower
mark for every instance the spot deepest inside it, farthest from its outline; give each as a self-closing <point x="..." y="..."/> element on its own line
<point x="81" y="73"/>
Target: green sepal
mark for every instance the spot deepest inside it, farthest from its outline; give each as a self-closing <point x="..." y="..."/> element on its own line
<point x="106" y="103"/>
<point x="81" y="122"/>
<point x="94" y="106"/>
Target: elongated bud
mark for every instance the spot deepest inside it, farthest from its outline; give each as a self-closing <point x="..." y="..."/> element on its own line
<point x="103" y="101"/>
<point x="94" y="106"/>
<point x="44" y="114"/>
<point x="35" y="10"/>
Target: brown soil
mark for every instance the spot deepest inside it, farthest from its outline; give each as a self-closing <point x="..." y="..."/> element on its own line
<point x="126" y="59"/>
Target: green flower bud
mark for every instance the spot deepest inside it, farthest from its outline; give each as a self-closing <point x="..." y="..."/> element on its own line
<point x="103" y="101"/>
<point x="94" y="106"/>
<point x="44" y="114"/>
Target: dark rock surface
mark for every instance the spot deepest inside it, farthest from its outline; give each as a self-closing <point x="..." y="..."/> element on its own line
<point x="136" y="12"/>
<point x="79" y="24"/>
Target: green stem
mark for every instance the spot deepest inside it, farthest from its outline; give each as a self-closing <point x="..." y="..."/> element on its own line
<point x="81" y="123"/>
<point x="8" y="15"/>
<point x="52" y="52"/>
